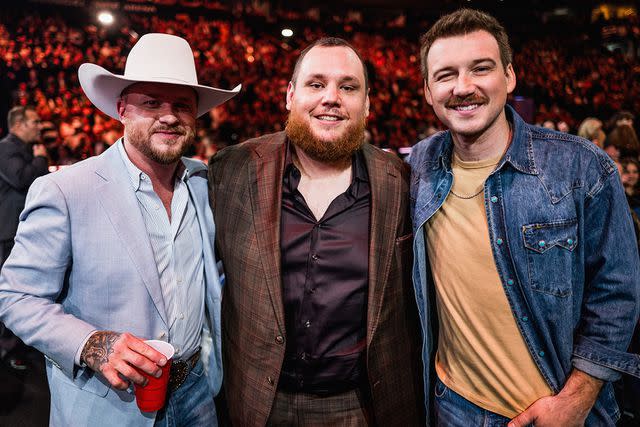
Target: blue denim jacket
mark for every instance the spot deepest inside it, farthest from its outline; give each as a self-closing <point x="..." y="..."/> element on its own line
<point x="563" y="242"/>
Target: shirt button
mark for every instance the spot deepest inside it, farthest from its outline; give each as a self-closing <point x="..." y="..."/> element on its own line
<point x="270" y="380"/>
<point x="542" y="243"/>
<point x="157" y="207"/>
<point x="570" y="241"/>
<point x="314" y="257"/>
<point x="181" y="315"/>
<point x="525" y="319"/>
<point x="307" y="324"/>
<point x="499" y="241"/>
<point x="509" y="282"/>
<point x="177" y="350"/>
<point x="179" y="280"/>
<point x="541" y="353"/>
<point x="494" y="199"/>
<point x="279" y="339"/>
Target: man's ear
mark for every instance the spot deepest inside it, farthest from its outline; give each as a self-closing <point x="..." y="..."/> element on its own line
<point x="427" y="93"/>
<point x="367" y="104"/>
<point x="290" y="90"/>
<point x="511" y="78"/>
<point x="120" y="107"/>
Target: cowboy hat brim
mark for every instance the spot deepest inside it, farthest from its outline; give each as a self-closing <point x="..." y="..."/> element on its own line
<point x="103" y="89"/>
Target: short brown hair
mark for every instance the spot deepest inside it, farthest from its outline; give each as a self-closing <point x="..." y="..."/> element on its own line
<point x="17" y="115"/>
<point x="461" y="22"/>
<point x="329" y="42"/>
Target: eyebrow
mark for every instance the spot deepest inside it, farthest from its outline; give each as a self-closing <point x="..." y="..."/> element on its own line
<point x="347" y="78"/>
<point x="473" y="64"/>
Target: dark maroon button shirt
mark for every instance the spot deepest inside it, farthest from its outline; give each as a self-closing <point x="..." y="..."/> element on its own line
<point x="325" y="282"/>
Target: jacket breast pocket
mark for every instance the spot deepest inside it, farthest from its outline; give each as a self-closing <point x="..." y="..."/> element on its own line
<point x="550" y="251"/>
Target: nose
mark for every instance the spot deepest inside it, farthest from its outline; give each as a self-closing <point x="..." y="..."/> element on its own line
<point x="464" y="85"/>
<point x="166" y="114"/>
<point x="331" y="95"/>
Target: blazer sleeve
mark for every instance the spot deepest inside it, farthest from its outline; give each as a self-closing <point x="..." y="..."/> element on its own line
<point x="35" y="275"/>
<point x="18" y="172"/>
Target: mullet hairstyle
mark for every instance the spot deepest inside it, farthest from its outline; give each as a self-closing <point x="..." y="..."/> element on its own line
<point x="329" y="42"/>
<point x="459" y="23"/>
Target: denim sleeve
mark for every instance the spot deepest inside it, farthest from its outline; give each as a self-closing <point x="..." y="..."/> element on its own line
<point x="612" y="284"/>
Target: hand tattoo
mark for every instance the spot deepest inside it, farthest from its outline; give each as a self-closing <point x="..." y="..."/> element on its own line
<point x="98" y="348"/>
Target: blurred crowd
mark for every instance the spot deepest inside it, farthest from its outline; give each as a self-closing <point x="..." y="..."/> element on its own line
<point x="40" y="54"/>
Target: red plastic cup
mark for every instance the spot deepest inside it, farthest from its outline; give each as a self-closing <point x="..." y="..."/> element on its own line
<point x="152" y="396"/>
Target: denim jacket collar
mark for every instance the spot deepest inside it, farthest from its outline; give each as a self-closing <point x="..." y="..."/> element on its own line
<point x="519" y="154"/>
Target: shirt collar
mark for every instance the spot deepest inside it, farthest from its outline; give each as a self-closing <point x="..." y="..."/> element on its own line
<point x="519" y="154"/>
<point x="136" y="175"/>
<point x="358" y="165"/>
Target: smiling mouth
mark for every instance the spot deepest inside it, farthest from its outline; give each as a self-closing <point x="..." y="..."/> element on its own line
<point x="328" y="118"/>
<point x="465" y="107"/>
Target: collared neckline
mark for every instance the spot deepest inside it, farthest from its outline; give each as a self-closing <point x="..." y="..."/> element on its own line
<point x="358" y="165"/>
<point x="519" y="154"/>
<point x="136" y="176"/>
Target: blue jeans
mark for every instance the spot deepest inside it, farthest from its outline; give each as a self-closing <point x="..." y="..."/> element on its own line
<point x="191" y="405"/>
<point x="453" y="410"/>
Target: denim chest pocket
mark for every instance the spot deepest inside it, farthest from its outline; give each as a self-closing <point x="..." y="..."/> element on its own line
<point x="550" y="251"/>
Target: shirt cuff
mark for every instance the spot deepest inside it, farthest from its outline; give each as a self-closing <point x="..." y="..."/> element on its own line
<point x="77" y="360"/>
<point x="595" y="370"/>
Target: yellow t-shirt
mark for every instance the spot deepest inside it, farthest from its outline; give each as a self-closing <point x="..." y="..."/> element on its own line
<point x="481" y="354"/>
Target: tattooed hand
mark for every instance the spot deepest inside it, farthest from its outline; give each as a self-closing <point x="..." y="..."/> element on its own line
<point x="118" y="357"/>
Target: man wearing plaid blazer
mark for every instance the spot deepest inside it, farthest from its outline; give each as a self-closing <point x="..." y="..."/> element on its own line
<point x="319" y="324"/>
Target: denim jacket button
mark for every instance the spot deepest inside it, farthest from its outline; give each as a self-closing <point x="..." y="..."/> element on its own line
<point x="525" y="319"/>
<point x="541" y="353"/>
<point x="542" y="243"/>
<point x="570" y="241"/>
<point x="494" y="199"/>
<point x="509" y="282"/>
<point x="499" y="241"/>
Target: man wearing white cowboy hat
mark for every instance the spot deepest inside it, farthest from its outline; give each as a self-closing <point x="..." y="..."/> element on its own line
<point x="119" y="248"/>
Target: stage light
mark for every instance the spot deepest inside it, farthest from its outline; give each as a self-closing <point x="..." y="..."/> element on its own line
<point x="105" y="18"/>
<point x="287" y="32"/>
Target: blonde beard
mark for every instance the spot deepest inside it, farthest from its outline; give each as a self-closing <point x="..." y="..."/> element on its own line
<point x="142" y="141"/>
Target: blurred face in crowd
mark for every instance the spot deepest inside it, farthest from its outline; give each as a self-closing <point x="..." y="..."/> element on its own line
<point x="467" y="84"/>
<point x="159" y="119"/>
<point x="328" y="104"/>
<point x="630" y="175"/>
<point x="613" y="152"/>
<point x="29" y="128"/>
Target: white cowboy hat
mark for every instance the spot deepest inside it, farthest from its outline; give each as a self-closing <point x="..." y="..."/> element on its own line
<point x="156" y="58"/>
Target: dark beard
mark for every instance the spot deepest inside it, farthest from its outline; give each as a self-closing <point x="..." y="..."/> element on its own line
<point x="331" y="152"/>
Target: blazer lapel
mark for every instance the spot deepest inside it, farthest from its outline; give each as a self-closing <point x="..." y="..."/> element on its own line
<point x="121" y="206"/>
<point x="385" y="201"/>
<point x="266" y="199"/>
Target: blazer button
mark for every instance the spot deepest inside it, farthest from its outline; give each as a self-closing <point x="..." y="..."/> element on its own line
<point x="280" y="339"/>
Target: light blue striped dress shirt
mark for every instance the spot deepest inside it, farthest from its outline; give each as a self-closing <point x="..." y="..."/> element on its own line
<point x="177" y="248"/>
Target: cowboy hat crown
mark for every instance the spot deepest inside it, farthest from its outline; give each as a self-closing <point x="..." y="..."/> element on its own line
<point x="156" y="58"/>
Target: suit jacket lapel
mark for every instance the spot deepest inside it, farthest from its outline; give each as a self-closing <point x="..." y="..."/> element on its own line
<point x="121" y="206"/>
<point x="385" y="201"/>
<point x="266" y="199"/>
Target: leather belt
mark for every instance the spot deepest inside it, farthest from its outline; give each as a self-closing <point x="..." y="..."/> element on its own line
<point x="180" y="370"/>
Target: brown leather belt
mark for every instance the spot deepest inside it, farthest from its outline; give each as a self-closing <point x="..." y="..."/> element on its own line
<point x="180" y="370"/>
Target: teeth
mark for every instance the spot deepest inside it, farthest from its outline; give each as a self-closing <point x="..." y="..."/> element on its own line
<point x="329" y="118"/>
<point x="467" y="107"/>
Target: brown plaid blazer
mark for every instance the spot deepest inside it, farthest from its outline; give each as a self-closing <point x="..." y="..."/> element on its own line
<point x="246" y="194"/>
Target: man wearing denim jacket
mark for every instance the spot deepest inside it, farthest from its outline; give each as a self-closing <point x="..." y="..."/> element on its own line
<point x="526" y="271"/>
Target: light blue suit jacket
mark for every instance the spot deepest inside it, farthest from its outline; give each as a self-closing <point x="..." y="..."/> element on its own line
<point x="83" y="261"/>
